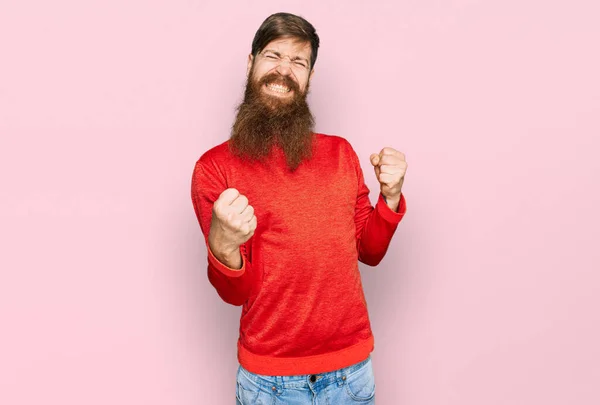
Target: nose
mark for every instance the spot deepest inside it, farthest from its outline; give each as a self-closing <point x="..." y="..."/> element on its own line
<point x="284" y="67"/>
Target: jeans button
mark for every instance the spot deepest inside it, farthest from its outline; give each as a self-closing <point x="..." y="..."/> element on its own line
<point x="313" y="378"/>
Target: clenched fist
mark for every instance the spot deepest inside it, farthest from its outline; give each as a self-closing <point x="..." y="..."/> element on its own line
<point x="390" y="168"/>
<point x="233" y="223"/>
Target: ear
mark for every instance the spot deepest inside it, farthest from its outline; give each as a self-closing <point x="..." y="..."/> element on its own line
<point x="312" y="72"/>
<point x="250" y="60"/>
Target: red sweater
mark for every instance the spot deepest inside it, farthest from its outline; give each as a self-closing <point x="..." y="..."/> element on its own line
<point x="303" y="306"/>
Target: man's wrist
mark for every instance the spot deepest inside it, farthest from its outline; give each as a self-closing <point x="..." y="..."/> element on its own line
<point x="232" y="260"/>
<point x="392" y="202"/>
<point x="228" y="256"/>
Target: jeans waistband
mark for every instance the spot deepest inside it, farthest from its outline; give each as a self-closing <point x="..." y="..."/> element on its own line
<point x="304" y="380"/>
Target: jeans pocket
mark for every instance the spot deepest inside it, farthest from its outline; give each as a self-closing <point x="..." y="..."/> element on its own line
<point x="245" y="396"/>
<point x="360" y="385"/>
<point x="250" y="392"/>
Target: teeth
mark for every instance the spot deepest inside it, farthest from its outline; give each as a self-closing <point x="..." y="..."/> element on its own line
<point x="278" y="88"/>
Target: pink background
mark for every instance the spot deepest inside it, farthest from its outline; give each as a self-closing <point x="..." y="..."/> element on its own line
<point x="489" y="294"/>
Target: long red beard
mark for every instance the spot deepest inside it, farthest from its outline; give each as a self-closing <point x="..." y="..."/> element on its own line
<point x="263" y="121"/>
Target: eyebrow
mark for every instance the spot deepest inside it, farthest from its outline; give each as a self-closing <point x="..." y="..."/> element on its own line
<point x="279" y="55"/>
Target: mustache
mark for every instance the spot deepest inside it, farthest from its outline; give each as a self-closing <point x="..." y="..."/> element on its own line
<point x="276" y="78"/>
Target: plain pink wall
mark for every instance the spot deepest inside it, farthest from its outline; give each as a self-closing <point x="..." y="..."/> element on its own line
<point x="489" y="293"/>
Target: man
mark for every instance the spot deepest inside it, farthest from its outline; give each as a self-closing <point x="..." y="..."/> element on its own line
<point x="286" y="216"/>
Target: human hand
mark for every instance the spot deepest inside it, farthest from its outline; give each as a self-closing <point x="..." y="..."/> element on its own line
<point x="390" y="167"/>
<point x="233" y="223"/>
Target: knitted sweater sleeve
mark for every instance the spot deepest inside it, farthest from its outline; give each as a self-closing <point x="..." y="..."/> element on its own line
<point x="233" y="285"/>
<point x="375" y="226"/>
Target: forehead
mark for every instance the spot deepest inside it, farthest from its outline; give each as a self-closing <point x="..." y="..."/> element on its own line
<point x="290" y="46"/>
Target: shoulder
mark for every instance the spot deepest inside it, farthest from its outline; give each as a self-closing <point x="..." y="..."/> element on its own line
<point x="334" y="144"/>
<point x="328" y="139"/>
<point x="212" y="163"/>
<point x="215" y="157"/>
<point x="218" y="152"/>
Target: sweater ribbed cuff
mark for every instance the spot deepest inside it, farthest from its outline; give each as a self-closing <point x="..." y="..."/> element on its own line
<point x="386" y="212"/>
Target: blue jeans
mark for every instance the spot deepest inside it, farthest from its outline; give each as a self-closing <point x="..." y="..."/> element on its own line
<point x="354" y="384"/>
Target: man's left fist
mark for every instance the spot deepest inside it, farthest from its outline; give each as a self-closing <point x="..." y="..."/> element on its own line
<point x="390" y="168"/>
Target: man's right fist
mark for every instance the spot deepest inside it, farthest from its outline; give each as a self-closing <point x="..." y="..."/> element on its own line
<point x="233" y="223"/>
